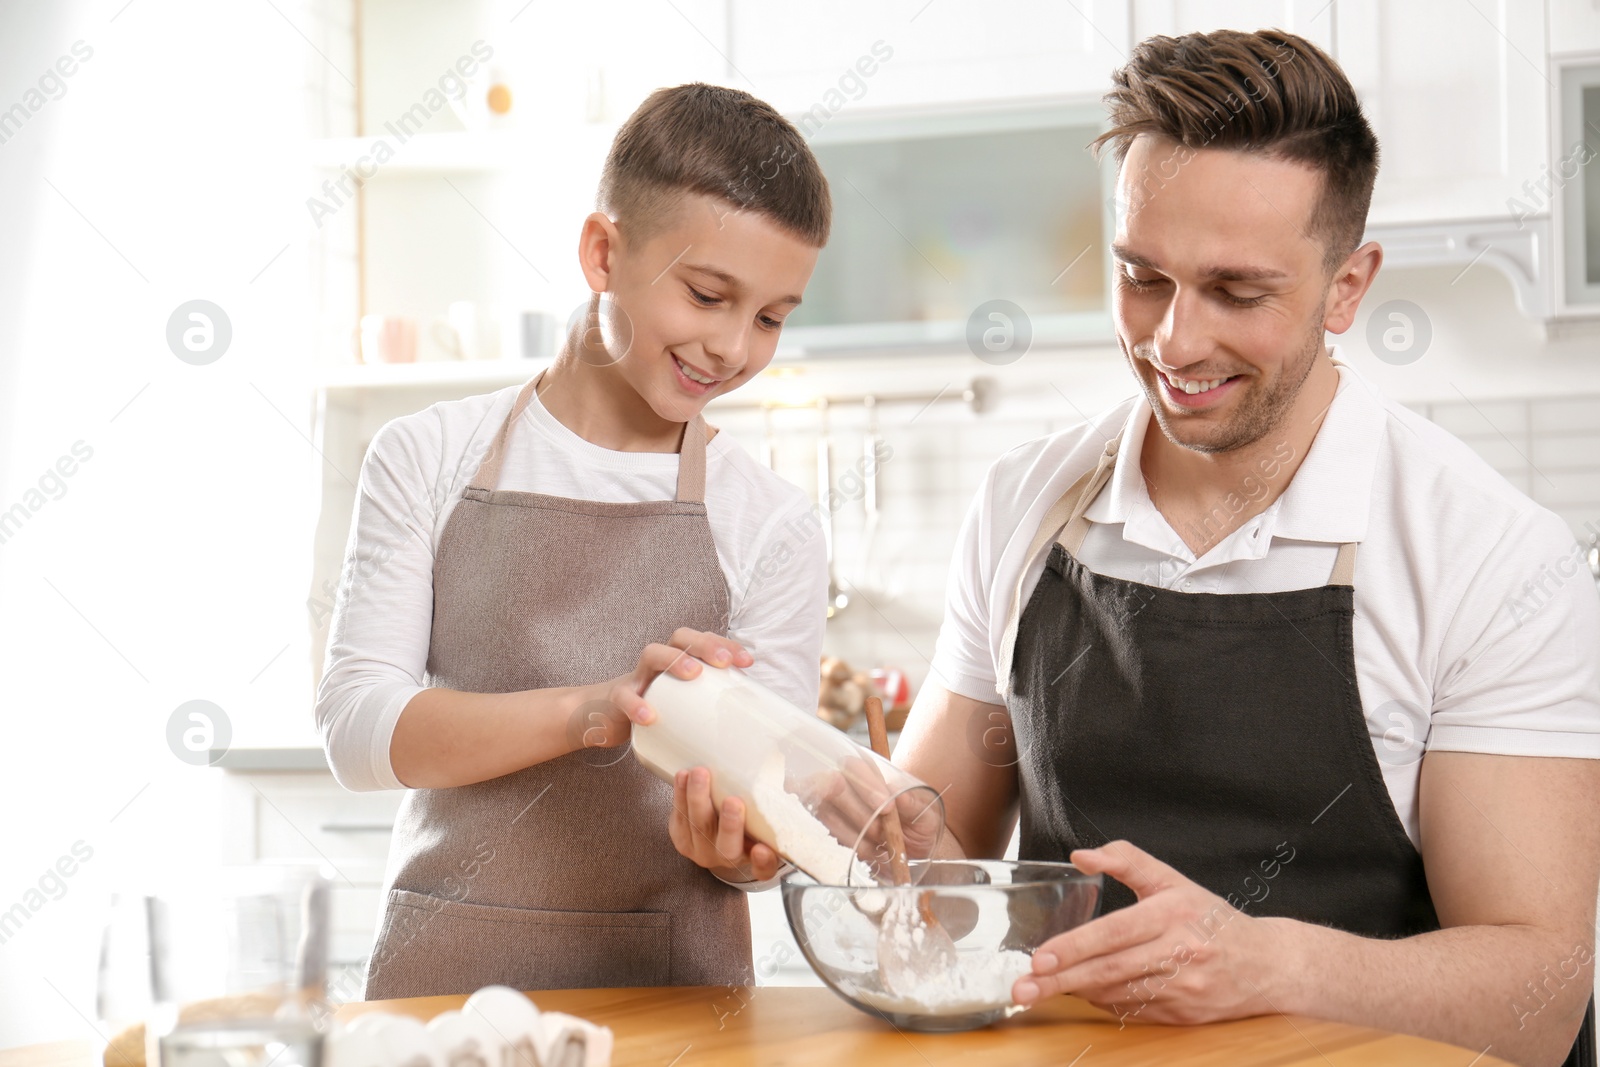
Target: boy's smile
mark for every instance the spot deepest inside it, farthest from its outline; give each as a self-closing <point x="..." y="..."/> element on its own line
<point x="695" y="381"/>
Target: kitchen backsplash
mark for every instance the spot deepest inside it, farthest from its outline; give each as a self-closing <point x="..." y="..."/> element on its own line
<point x="1547" y="447"/>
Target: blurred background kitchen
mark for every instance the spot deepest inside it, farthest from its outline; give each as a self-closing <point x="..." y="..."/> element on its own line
<point x="239" y="237"/>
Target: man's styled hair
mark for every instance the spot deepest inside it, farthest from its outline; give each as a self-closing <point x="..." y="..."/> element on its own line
<point x="1269" y="92"/>
<point x="718" y="142"/>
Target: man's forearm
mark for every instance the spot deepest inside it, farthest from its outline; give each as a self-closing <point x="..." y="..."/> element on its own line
<point x="1517" y="991"/>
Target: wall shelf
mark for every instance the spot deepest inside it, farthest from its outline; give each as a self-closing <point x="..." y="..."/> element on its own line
<point x="428" y="373"/>
<point x="1519" y="250"/>
<point x="456" y="152"/>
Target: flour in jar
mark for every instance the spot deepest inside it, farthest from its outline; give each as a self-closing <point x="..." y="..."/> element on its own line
<point x="802" y="839"/>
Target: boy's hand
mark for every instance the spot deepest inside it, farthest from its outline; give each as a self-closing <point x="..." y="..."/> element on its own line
<point x="716" y="839"/>
<point x="604" y="713"/>
<point x="681" y="657"/>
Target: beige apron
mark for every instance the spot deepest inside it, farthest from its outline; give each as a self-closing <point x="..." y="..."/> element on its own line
<point x="560" y="875"/>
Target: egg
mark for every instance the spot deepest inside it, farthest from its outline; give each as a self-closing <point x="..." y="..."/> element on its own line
<point x="465" y="1040"/>
<point x="598" y="1040"/>
<point x="356" y="1045"/>
<point x="508" y="1013"/>
<point x="400" y="1041"/>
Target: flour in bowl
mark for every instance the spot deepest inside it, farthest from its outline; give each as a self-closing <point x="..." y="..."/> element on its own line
<point x="979" y="981"/>
<point x="921" y="973"/>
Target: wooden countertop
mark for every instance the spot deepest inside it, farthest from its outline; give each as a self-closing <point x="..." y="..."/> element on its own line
<point x="721" y="1027"/>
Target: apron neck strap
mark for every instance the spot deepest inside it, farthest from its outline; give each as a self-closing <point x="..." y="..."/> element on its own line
<point x="691" y="457"/>
<point x="1088" y="487"/>
<point x="1344" y="565"/>
<point x="1068" y="512"/>
<point x="488" y="476"/>
<point x="692" y="462"/>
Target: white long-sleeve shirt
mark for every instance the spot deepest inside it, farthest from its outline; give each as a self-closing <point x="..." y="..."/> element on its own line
<point x="768" y="538"/>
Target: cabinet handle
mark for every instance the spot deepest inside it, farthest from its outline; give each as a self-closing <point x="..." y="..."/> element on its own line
<point x="357" y="827"/>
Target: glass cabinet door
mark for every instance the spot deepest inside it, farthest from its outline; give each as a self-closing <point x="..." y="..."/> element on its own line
<point x="936" y="216"/>
<point x="1576" y="174"/>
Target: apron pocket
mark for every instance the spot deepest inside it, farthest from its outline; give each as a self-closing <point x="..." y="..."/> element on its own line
<point x="429" y="945"/>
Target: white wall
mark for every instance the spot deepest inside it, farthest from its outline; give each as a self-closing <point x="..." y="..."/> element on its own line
<point x="172" y="563"/>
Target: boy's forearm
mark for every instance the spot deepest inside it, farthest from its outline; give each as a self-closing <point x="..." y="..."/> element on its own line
<point x="445" y="737"/>
<point x="1517" y="991"/>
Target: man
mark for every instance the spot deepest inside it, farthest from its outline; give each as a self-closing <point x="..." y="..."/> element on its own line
<point x="1248" y="644"/>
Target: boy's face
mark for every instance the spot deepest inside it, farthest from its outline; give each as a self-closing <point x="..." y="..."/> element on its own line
<point x="704" y="299"/>
<point x="1218" y="283"/>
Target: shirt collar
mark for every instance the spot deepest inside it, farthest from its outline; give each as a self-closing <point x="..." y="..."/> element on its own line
<point x="1329" y="499"/>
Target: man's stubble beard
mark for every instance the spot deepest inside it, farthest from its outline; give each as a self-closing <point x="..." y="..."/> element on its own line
<point x="1257" y="417"/>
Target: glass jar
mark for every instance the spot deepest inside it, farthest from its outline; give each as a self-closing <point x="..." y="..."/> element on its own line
<point x="834" y="809"/>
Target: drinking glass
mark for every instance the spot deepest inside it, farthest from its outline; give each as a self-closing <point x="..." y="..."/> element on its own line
<point x="222" y="967"/>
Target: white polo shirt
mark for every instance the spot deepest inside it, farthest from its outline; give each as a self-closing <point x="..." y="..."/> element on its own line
<point x="1477" y="626"/>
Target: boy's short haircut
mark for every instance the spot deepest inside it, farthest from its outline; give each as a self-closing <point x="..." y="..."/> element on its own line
<point x="719" y="142"/>
<point x="1269" y="92"/>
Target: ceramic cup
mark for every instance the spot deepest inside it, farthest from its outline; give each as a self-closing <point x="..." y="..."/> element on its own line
<point x="388" y="339"/>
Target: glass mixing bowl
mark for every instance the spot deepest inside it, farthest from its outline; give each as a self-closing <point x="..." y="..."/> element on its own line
<point x="996" y="912"/>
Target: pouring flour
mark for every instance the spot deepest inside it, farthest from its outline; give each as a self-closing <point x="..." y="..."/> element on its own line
<point x="810" y="793"/>
<point x="822" y="802"/>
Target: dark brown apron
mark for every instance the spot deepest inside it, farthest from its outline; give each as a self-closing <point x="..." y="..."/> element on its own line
<point x="560" y="875"/>
<point x="1223" y="734"/>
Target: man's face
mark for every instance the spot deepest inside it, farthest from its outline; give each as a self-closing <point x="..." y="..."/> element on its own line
<point x="698" y="307"/>
<point x="1220" y="288"/>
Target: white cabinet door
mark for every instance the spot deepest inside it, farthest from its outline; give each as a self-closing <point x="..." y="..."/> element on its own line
<point x="1311" y="19"/>
<point x="1574" y="26"/>
<point x="915" y="52"/>
<point x="307" y="817"/>
<point x="1457" y="91"/>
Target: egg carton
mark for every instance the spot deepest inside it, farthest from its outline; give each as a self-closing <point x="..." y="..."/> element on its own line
<point x="496" y="1027"/>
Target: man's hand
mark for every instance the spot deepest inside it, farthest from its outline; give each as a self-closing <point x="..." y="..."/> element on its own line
<point x="1181" y="954"/>
<point x="713" y="838"/>
<point x="611" y="708"/>
<point x="854" y="802"/>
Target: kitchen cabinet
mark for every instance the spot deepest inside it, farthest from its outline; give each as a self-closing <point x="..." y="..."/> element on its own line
<point x="1457" y="92"/>
<point x="1573" y="186"/>
<point x="304" y="816"/>
<point x="1459" y="97"/>
<point x="915" y="53"/>
<point x="1311" y="19"/>
<point x="933" y="244"/>
<point x="1574" y="26"/>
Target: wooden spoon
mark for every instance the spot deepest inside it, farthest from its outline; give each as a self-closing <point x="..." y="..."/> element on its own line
<point x="905" y="964"/>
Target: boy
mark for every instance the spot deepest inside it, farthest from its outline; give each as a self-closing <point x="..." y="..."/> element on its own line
<point x="532" y="541"/>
